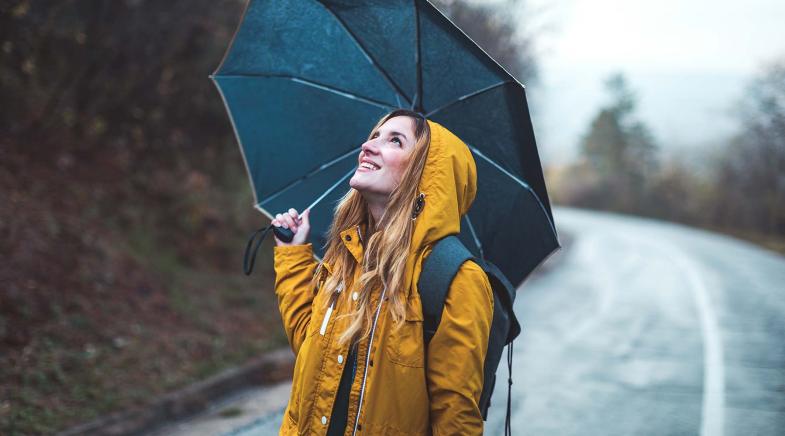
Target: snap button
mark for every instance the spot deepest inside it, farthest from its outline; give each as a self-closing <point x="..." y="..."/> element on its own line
<point x="340" y="359"/>
<point x="355" y="296"/>
<point x="324" y="420"/>
<point x="348" y="237"/>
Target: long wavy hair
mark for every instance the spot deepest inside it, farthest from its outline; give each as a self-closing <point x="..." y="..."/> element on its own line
<point x="386" y="243"/>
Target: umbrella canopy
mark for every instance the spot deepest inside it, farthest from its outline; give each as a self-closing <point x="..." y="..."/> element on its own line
<point x="304" y="81"/>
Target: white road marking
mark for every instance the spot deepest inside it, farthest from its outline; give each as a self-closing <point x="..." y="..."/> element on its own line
<point x="713" y="408"/>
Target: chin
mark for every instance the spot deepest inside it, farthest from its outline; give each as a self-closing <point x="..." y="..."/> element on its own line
<point x="356" y="184"/>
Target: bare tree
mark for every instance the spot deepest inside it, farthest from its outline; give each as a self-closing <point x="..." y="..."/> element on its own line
<point x="494" y="28"/>
<point x="751" y="175"/>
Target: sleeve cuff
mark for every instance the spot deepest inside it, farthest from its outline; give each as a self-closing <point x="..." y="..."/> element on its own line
<point x="289" y="253"/>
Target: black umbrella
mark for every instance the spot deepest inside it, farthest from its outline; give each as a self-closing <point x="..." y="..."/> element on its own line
<point x="304" y="81"/>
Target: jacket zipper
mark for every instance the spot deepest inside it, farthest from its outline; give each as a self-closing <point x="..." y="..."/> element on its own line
<point x="367" y="359"/>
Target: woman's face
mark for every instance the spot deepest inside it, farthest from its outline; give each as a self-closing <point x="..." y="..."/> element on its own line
<point x="383" y="158"/>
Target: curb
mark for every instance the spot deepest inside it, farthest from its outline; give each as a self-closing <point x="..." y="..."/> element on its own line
<point x="274" y="366"/>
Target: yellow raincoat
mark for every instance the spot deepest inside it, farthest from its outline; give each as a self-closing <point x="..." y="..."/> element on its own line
<point x="399" y="389"/>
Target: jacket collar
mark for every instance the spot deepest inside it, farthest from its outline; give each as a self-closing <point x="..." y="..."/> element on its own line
<point x="352" y="239"/>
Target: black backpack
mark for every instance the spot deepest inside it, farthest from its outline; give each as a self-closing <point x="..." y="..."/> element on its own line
<point x="438" y="271"/>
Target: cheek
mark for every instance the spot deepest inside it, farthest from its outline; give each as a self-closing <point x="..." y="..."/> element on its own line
<point x="397" y="167"/>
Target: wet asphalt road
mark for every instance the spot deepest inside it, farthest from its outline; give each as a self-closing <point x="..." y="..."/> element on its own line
<point x="640" y="328"/>
<point x="649" y="328"/>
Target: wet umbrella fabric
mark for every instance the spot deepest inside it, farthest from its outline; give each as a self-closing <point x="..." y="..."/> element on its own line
<point x="304" y="81"/>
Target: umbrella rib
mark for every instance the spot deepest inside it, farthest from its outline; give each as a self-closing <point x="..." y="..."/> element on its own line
<point x="468" y="96"/>
<point x="474" y="236"/>
<point x="367" y="54"/>
<point x="417" y="103"/>
<point x="314" y="84"/>
<point x="515" y="178"/>
<point x="308" y="175"/>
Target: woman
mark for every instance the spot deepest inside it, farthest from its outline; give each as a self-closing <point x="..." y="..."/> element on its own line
<point x="414" y="181"/>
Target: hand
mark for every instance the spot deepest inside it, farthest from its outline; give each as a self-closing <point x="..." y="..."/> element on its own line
<point x="300" y="225"/>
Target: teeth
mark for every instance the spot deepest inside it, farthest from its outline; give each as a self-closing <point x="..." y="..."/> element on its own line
<point x="369" y="166"/>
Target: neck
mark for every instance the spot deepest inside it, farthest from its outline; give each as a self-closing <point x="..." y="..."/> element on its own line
<point x="377" y="210"/>
<point x="376" y="205"/>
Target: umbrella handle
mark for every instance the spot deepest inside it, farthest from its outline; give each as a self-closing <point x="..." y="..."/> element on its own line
<point x="285" y="235"/>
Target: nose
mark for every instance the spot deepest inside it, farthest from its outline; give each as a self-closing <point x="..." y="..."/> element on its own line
<point x="370" y="147"/>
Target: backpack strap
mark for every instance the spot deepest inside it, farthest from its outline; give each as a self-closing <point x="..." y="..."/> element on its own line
<point x="438" y="270"/>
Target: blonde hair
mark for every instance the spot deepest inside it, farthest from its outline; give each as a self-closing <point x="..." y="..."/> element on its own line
<point x="386" y="247"/>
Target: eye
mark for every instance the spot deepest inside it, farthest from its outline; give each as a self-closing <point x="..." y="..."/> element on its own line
<point x="374" y="135"/>
<point x="398" y="140"/>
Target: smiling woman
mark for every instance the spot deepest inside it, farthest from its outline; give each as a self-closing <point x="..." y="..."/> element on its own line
<point x="355" y="320"/>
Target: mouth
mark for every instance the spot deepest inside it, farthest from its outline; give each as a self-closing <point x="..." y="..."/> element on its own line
<point x="367" y="166"/>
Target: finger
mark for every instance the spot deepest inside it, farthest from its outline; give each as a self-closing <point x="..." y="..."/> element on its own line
<point x="290" y="222"/>
<point x="295" y="216"/>
<point x="281" y="221"/>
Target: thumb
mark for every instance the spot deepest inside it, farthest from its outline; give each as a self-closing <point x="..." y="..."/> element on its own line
<point x="306" y="218"/>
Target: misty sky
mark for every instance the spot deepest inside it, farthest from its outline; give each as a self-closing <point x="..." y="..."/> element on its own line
<point x="688" y="60"/>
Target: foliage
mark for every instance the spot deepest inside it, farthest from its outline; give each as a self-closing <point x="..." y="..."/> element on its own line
<point x="125" y="209"/>
<point x="751" y="173"/>
<point x="494" y="29"/>
<point x="619" y="151"/>
<point x="743" y="193"/>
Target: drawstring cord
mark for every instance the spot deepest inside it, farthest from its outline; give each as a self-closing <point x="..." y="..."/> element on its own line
<point x="507" y="419"/>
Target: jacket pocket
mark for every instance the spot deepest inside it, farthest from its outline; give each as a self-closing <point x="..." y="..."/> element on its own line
<point x="405" y="344"/>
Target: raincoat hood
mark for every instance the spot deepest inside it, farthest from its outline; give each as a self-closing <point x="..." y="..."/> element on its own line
<point x="449" y="182"/>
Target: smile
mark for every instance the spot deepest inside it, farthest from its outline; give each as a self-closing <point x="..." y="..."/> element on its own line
<point x="368" y="166"/>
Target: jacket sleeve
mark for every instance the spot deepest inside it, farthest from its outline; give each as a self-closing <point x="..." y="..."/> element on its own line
<point x="456" y="354"/>
<point x="294" y="268"/>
